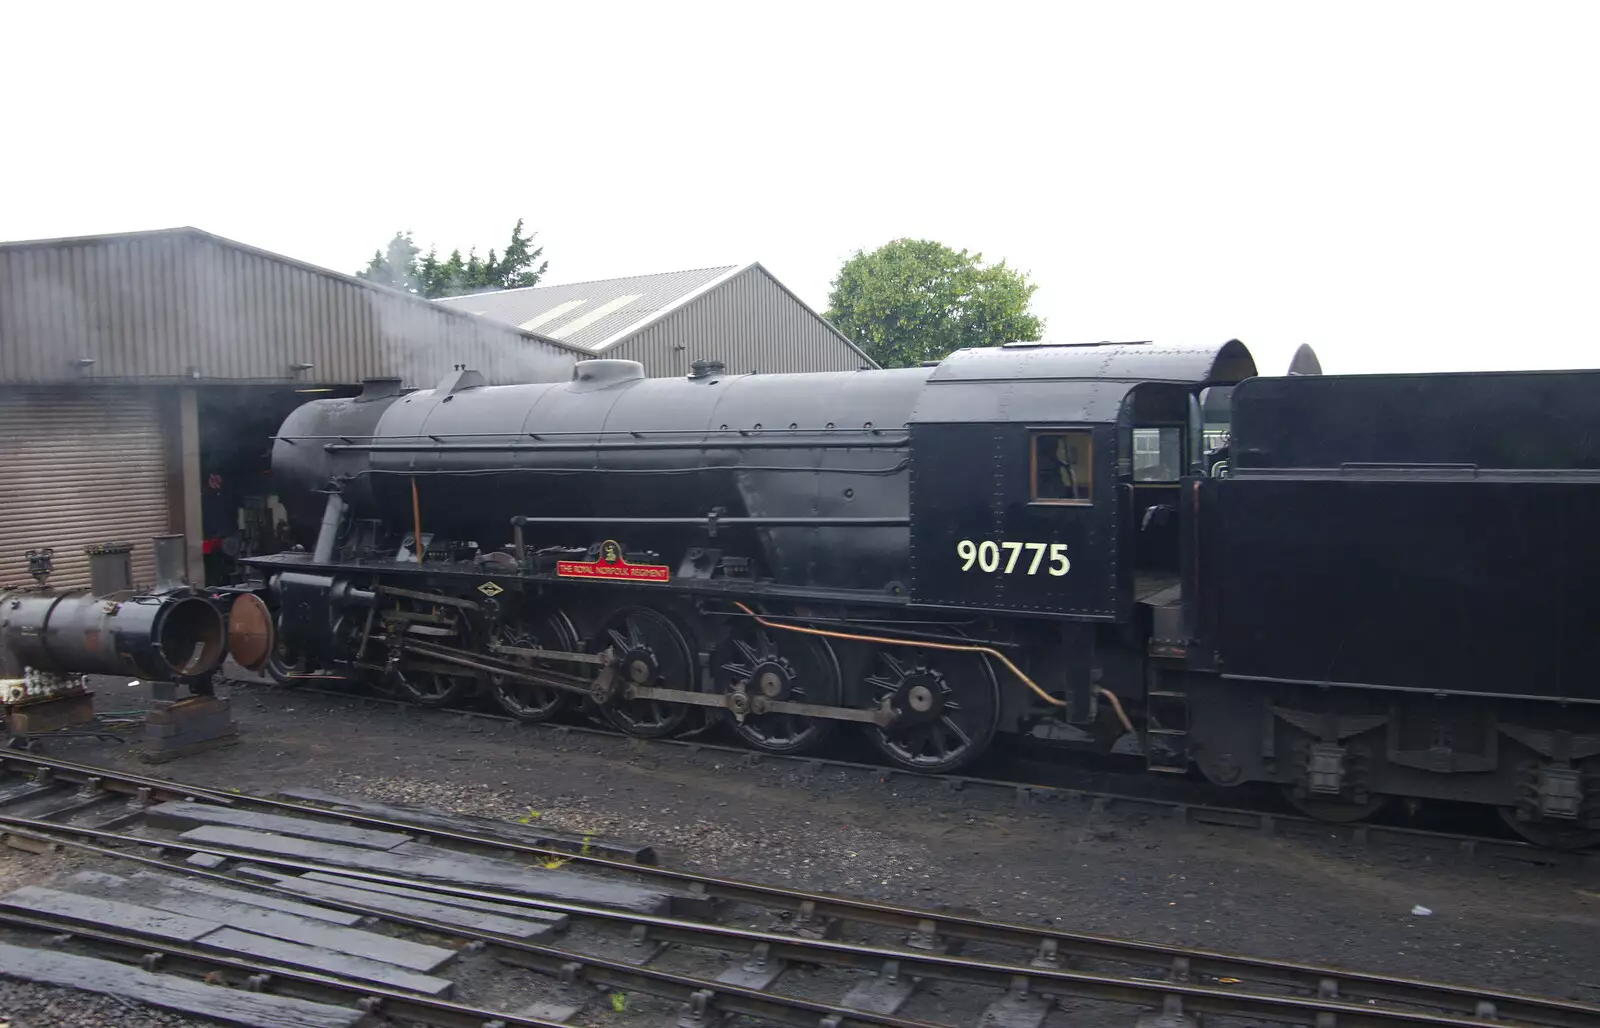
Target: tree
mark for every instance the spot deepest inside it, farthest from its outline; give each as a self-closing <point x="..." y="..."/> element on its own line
<point x="913" y="300"/>
<point x="395" y="265"/>
<point x="401" y="265"/>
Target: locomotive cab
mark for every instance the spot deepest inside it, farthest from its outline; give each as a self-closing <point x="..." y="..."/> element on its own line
<point x="1083" y="451"/>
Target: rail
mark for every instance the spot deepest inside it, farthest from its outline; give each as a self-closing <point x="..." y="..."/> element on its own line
<point x="1189" y="980"/>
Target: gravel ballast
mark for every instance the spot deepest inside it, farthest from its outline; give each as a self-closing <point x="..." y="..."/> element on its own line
<point x="1523" y="928"/>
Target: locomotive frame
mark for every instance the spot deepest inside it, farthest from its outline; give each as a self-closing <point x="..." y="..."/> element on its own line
<point x="938" y="557"/>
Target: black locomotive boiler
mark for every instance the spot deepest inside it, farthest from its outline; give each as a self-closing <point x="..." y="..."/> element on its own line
<point x="1371" y="588"/>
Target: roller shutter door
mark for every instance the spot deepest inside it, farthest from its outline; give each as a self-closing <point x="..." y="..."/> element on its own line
<point x="79" y="466"/>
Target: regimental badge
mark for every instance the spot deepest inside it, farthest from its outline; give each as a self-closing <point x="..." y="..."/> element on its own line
<point x="611" y="564"/>
<point x="490" y="589"/>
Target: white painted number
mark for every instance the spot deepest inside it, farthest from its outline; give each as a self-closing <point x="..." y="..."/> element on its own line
<point x="986" y="555"/>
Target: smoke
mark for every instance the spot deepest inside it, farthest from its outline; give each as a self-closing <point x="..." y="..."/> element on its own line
<point x="422" y="342"/>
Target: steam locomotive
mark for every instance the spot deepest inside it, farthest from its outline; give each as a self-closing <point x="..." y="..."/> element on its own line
<point x="1356" y="588"/>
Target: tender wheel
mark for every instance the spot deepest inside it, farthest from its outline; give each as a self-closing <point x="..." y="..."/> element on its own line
<point x="651" y="652"/>
<point x="1550" y="835"/>
<point x="524" y="700"/>
<point x="780" y="666"/>
<point x="949" y="706"/>
<point x="1333" y="811"/>
<point x="1581" y="831"/>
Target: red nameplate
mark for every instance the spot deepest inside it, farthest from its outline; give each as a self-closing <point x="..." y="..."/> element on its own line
<point x="611" y="565"/>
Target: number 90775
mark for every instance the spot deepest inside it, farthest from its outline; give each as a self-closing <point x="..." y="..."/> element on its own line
<point x="1008" y="558"/>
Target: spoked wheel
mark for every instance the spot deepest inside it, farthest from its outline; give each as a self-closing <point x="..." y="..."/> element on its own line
<point x="1550" y="835"/>
<point x="431" y="687"/>
<point x="776" y="665"/>
<point x="949" y="706"/>
<point x="1334" y="811"/>
<point x="524" y="700"/>
<point x="652" y="652"/>
<point x="422" y="681"/>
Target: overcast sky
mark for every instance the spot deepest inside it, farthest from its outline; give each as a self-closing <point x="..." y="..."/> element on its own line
<point x="1405" y="186"/>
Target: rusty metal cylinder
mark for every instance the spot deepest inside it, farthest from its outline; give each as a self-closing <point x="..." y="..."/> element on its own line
<point x="157" y="637"/>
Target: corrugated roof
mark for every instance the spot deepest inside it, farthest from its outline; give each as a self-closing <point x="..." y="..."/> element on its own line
<point x="182" y="304"/>
<point x="593" y="315"/>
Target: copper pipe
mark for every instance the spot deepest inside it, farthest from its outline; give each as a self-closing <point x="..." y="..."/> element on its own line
<point x="1116" y="705"/>
<point x="996" y="654"/>
<point x="416" y="520"/>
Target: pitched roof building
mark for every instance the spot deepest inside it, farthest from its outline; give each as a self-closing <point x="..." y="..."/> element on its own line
<point x="142" y="375"/>
<point x="739" y="314"/>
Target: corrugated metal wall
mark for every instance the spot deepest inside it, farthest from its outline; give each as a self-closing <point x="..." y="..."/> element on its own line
<point x="186" y="305"/>
<point x="749" y="322"/>
<point x="80" y="467"/>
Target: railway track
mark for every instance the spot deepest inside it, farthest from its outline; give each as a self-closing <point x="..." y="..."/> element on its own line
<point x="590" y="917"/>
<point x="1171" y="801"/>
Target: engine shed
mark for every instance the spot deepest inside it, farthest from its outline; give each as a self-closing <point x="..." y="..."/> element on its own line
<point x="143" y="374"/>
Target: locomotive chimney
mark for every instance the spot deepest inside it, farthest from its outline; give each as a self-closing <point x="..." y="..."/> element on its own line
<point x="170" y="554"/>
<point x="110" y="568"/>
<point x="705" y="368"/>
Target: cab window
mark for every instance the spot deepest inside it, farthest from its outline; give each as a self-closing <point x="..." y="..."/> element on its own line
<point x="1063" y="470"/>
<point x="1158" y="454"/>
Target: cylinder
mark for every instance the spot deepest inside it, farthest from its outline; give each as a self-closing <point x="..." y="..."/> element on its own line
<point x="171" y="556"/>
<point x="110" y="568"/>
<point x="157" y="637"/>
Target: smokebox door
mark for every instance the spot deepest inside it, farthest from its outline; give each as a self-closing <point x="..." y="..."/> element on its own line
<point x="250" y="633"/>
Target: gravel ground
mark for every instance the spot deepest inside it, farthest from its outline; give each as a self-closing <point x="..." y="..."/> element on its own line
<point x="25" y="1005"/>
<point x="1522" y="928"/>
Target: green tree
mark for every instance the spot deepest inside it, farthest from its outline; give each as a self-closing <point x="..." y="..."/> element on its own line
<point x="913" y="300"/>
<point x="395" y="265"/>
<point x="401" y="265"/>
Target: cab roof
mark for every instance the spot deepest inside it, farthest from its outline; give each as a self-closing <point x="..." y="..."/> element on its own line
<point x="1127" y="362"/>
<point x="1072" y="383"/>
